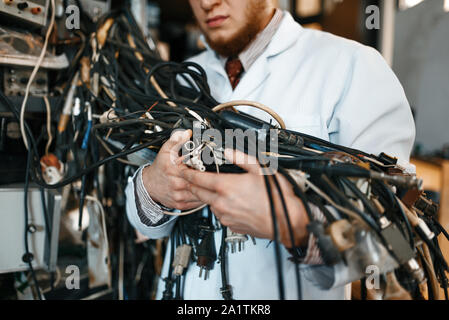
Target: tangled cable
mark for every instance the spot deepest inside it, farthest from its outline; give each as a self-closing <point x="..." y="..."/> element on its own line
<point x="126" y="104"/>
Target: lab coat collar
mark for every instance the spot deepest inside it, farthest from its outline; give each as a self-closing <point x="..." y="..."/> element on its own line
<point x="286" y="36"/>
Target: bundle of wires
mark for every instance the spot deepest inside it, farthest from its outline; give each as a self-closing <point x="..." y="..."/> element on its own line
<point x="129" y="100"/>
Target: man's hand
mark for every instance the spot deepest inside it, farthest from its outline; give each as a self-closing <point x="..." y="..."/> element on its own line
<point x="240" y="201"/>
<point x="163" y="179"/>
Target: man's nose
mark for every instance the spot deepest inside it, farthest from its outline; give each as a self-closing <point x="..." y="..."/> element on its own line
<point x="208" y="5"/>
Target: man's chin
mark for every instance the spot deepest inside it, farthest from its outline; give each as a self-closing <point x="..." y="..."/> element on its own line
<point x="219" y="37"/>
<point x="225" y="45"/>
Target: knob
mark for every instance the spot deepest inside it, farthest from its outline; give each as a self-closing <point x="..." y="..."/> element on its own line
<point x="22" y="5"/>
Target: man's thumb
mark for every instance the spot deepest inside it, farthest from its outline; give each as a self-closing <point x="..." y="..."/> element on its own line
<point x="177" y="139"/>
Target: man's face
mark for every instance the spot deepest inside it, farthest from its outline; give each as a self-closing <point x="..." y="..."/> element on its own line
<point x="230" y="25"/>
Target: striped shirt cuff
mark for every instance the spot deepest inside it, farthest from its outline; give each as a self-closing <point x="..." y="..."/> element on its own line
<point x="150" y="213"/>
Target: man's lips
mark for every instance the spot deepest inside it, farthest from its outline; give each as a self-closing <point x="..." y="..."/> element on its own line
<point x="216" y="21"/>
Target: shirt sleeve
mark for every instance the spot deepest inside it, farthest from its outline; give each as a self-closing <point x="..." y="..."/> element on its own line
<point x="149" y="223"/>
<point x="149" y="212"/>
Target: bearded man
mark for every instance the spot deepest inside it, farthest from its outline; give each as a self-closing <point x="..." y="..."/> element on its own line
<point x="320" y="84"/>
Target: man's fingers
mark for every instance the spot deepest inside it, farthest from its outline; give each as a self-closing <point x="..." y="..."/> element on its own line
<point x="177" y="140"/>
<point x="205" y="196"/>
<point x="194" y="204"/>
<point x="184" y="196"/>
<point x="174" y="144"/>
<point x="185" y="206"/>
<point x="244" y="161"/>
<point x="203" y="179"/>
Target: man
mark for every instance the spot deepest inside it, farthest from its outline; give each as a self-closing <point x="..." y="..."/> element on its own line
<point x="321" y="85"/>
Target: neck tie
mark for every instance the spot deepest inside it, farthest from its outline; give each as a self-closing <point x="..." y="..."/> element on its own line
<point x="234" y="69"/>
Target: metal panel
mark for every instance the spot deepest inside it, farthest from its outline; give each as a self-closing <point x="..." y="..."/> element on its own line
<point x="36" y="11"/>
<point x="12" y="229"/>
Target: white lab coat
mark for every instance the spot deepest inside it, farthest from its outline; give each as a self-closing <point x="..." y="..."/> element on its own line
<point x="321" y="85"/>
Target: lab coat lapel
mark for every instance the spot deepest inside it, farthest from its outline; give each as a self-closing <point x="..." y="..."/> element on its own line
<point x="255" y="77"/>
<point x="217" y="77"/>
<point x="286" y="36"/>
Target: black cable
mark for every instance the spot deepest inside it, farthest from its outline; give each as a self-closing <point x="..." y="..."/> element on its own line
<point x="363" y="289"/>
<point x="277" y="250"/>
<point x="96" y="165"/>
<point x="39" y="179"/>
<point x="441" y="228"/>
<point x="225" y="289"/>
<point x="374" y="212"/>
<point x="434" y="248"/>
<point x="132" y="91"/>
<point x="28" y="258"/>
<point x="395" y="202"/>
<point x="48" y="226"/>
<point x="369" y="221"/>
<point x="291" y="234"/>
<point x="298" y="192"/>
<point x="168" y="292"/>
<point x="178" y="288"/>
<point x="124" y="123"/>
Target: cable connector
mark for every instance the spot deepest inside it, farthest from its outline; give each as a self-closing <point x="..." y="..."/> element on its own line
<point x="182" y="259"/>
<point x="236" y="240"/>
<point x="206" y="254"/>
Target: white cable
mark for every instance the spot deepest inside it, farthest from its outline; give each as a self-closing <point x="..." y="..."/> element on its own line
<point x="186" y="213"/>
<point x="50" y="137"/>
<point x="252" y="104"/>
<point x="33" y="75"/>
<point x="102" y="212"/>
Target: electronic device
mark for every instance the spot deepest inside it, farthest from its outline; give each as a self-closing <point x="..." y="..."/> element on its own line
<point x="15" y="80"/>
<point x="32" y="11"/>
<point x="23" y="48"/>
<point x="12" y="228"/>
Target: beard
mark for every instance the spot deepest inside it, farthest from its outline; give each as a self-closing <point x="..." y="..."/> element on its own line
<point x="243" y="37"/>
